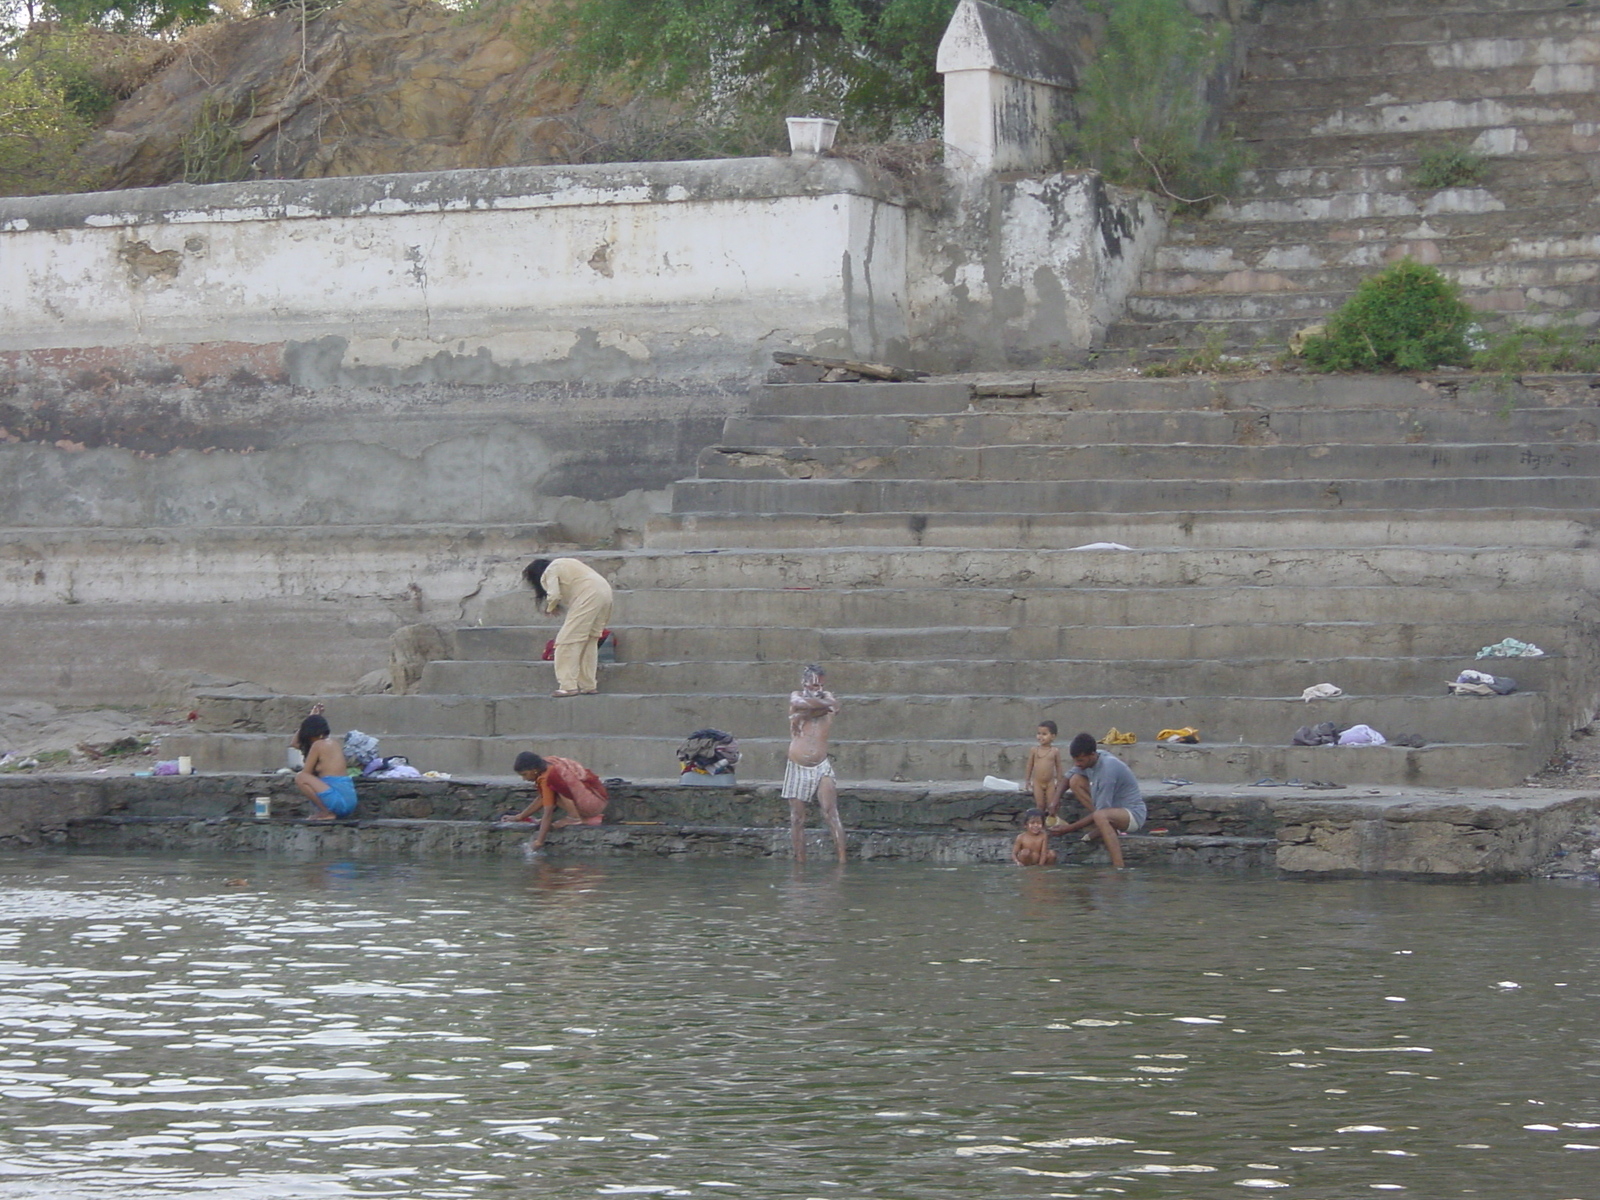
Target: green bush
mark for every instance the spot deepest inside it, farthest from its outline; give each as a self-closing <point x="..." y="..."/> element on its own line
<point x="1408" y="317"/>
<point x="1547" y="348"/>
<point x="1449" y="166"/>
<point x="1143" y="120"/>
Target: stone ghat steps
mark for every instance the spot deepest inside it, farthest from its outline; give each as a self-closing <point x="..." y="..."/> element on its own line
<point x="1330" y="21"/>
<point x="1432" y="97"/>
<point x="1238" y="672"/>
<point x="1150" y="461"/>
<point x="1473" y="253"/>
<point x="1513" y="151"/>
<point x="1462" y="492"/>
<point x="1118" y="392"/>
<point x="1465" y="117"/>
<point x="1549" y="62"/>
<point x="1214" y="637"/>
<point x="1481" y="282"/>
<point x="1454" y="597"/>
<point x="897" y="719"/>
<point x="1367" y="427"/>
<point x="1453" y="763"/>
<point x="1360" y="224"/>
<point x="1327" y="528"/>
<point x="1168" y="300"/>
<point x="1529" y="176"/>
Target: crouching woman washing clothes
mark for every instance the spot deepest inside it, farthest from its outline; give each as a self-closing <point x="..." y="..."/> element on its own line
<point x="586" y="596"/>
<point x="565" y="782"/>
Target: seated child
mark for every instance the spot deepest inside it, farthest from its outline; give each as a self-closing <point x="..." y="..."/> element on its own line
<point x="1032" y="847"/>
<point x="323" y="779"/>
<point x="1044" y="772"/>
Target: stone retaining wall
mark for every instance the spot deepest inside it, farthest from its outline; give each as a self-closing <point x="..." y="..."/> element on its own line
<point x="1442" y="838"/>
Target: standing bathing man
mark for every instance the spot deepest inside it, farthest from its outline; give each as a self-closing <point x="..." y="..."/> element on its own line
<point x="808" y="772"/>
<point x="1104" y="786"/>
<point x="585" y="594"/>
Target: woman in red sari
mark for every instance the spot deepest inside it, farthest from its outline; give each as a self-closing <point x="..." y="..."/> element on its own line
<point x="564" y="782"/>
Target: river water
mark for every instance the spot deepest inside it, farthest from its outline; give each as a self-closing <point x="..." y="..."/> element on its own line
<point x="240" y="1027"/>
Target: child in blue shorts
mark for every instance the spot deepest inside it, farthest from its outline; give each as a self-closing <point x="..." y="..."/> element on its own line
<point x="323" y="780"/>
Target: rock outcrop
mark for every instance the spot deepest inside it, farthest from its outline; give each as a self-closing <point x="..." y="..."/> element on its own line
<point x="367" y="87"/>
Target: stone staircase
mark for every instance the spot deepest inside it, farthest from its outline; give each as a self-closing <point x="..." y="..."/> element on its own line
<point x="918" y="538"/>
<point x="1340" y="101"/>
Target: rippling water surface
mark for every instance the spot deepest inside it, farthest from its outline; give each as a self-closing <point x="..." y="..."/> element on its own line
<point x="235" y="1027"/>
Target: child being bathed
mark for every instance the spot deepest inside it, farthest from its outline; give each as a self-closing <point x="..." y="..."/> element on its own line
<point x="1032" y="847"/>
<point x="323" y="780"/>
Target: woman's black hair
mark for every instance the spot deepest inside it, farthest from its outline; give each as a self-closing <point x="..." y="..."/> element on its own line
<point x="533" y="573"/>
<point x="311" y="729"/>
<point x="529" y="761"/>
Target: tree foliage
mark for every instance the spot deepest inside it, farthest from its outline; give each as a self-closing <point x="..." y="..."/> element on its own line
<point x="131" y="14"/>
<point x="1144" y="119"/>
<point x="869" y="62"/>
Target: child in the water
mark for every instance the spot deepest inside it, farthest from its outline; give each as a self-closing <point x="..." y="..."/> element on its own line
<point x="1032" y="847"/>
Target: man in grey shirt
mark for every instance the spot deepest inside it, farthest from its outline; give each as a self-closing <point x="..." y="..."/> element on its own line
<point x="1104" y="786"/>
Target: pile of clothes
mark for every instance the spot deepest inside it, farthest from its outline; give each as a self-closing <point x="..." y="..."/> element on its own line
<point x="709" y="752"/>
<point x="1481" y="683"/>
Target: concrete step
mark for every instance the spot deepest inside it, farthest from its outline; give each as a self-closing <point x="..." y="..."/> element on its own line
<point x="846" y="399"/>
<point x="1449" y="70"/>
<point x="1389" y="66"/>
<point x="519" y="646"/>
<point x="1569" y="276"/>
<point x="1466" y="116"/>
<point x="1485" y="251"/>
<point x="1485" y="199"/>
<point x="1293" y="31"/>
<point x="1464" y="212"/>
<point x="1508" y="145"/>
<point x="1504" y="176"/>
<point x="1186" y="529"/>
<point x="1287" y="394"/>
<point x="1150" y="461"/>
<point x="821" y="496"/>
<point x="1447" y="764"/>
<point x="1238" y="671"/>
<point x="1308" y="306"/>
<point x="897" y="718"/>
<point x="1456" y="588"/>
<point x="824" y="573"/>
<point x="1268" y="336"/>
<point x="1450" y="422"/>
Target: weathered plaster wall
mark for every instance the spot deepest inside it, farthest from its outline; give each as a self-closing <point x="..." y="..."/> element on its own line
<point x="1026" y="270"/>
<point x="664" y="270"/>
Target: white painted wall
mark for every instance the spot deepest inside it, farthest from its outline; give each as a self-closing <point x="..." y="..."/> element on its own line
<point x="681" y="269"/>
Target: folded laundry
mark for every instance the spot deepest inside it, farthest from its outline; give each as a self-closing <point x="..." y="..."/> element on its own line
<point x="1116" y="738"/>
<point x="1321" y="691"/>
<point x="1479" y="683"/>
<point x="1361" y="735"/>
<point x="1187" y="735"/>
<point x="1511" y="648"/>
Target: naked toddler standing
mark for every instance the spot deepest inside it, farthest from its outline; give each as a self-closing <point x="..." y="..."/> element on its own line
<point x="1044" y="772"/>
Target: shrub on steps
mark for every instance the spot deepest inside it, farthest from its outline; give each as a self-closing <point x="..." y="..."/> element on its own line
<point x="1408" y="317"/>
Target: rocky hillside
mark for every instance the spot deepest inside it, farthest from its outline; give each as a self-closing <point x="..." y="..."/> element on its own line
<point x="365" y="87"/>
